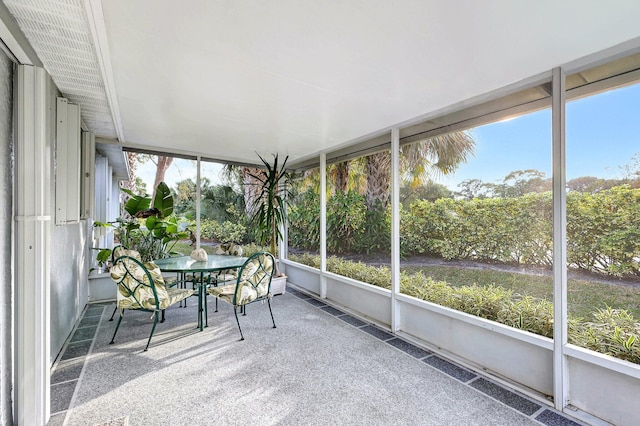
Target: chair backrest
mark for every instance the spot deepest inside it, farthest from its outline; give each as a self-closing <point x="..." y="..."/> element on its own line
<point x="120" y="250"/>
<point x="140" y="285"/>
<point x="229" y="248"/>
<point x="254" y="279"/>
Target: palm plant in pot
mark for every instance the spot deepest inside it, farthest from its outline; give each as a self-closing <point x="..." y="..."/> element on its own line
<point x="269" y="211"/>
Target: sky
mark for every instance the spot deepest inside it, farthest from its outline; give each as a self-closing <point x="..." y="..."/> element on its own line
<point x="179" y="170"/>
<point x="602" y="134"/>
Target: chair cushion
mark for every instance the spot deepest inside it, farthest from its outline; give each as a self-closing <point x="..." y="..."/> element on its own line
<point x="254" y="284"/>
<point x="119" y="251"/>
<point x="136" y="292"/>
<point x="231" y="249"/>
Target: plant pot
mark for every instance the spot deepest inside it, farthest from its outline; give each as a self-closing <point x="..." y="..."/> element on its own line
<point x="279" y="285"/>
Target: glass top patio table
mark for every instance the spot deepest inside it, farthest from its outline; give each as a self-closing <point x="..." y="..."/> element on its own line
<point x="215" y="262"/>
<point x="185" y="264"/>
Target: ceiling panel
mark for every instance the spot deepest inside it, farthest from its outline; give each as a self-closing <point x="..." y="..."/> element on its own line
<point x="227" y="79"/>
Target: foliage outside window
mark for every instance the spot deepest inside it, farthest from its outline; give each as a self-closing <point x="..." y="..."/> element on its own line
<point x="603" y="217"/>
<point x="476" y="234"/>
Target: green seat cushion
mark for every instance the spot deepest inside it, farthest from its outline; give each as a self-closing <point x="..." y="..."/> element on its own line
<point x="136" y="291"/>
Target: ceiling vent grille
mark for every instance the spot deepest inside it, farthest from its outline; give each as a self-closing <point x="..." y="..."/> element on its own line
<point x="59" y="33"/>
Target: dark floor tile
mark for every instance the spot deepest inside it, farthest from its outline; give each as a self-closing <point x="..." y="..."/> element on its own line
<point x="61" y="395"/>
<point x="316" y="302"/>
<point x="376" y="332"/>
<point x="76" y="349"/>
<point x="551" y="418"/>
<point x="505" y="396"/>
<point x="332" y="310"/>
<point x="407" y="347"/>
<point x="292" y="290"/>
<point x="89" y="322"/>
<point x="94" y="311"/>
<point x="453" y="370"/>
<point x="67" y="370"/>
<point x="302" y="295"/>
<point x="86" y="333"/>
<point x="352" y="320"/>
<point x="57" y="419"/>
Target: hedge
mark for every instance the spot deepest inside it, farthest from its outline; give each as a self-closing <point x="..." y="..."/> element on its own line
<point x="611" y="331"/>
<point x="603" y="229"/>
<point x="223" y="232"/>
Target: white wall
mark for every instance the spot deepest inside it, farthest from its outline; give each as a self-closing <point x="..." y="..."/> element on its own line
<point x="6" y="213"/>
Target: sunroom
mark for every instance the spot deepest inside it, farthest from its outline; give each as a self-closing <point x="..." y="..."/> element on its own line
<point x="540" y="101"/>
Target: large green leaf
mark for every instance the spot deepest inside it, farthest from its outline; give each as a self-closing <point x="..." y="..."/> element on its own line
<point x="136" y="204"/>
<point x="163" y="200"/>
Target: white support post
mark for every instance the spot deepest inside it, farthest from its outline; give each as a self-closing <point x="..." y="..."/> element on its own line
<point x="198" y="203"/>
<point x="32" y="239"/>
<point x="323" y="225"/>
<point x="88" y="176"/>
<point x="560" y="381"/>
<point x="395" y="228"/>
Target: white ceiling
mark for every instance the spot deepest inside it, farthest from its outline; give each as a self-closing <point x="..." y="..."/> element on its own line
<point x="227" y="79"/>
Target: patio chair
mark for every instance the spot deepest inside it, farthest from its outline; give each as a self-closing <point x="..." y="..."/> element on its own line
<point x="252" y="285"/>
<point x="119" y="251"/>
<point x="141" y="287"/>
<point x="228" y="276"/>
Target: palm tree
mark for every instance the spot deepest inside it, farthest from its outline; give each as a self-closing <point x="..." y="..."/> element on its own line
<point x="420" y="161"/>
<point x="244" y="177"/>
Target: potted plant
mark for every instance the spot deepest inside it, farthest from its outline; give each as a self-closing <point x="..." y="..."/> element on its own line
<point x="270" y="211"/>
<point x="151" y="230"/>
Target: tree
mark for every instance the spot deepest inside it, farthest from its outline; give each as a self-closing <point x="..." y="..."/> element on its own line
<point x="339" y="175"/>
<point x="162" y="165"/>
<point x="378" y="172"/>
<point x="593" y="184"/>
<point x="522" y="182"/>
<point x="429" y="191"/>
<point x="472" y="188"/>
<point x="222" y="203"/>
<point x="420" y="161"/>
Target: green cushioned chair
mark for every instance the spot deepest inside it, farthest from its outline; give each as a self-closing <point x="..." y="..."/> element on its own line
<point x="141" y="287"/>
<point x="119" y="251"/>
<point x="228" y="276"/>
<point x="252" y="285"/>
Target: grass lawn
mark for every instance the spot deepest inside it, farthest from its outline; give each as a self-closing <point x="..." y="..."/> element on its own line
<point x="584" y="297"/>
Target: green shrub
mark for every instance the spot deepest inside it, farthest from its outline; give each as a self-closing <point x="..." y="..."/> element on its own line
<point x="528" y="313"/>
<point x="250" y="249"/>
<point x="346" y="219"/>
<point x="312" y="260"/>
<point x="223" y="232"/>
<point x="304" y="221"/>
<point x="603" y="230"/>
<point x="377" y="275"/>
<point x="613" y="332"/>
<point x="377" y="230"/>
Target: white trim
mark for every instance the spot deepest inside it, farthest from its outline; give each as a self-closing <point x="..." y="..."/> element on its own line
<point x="604" y="361"/>
<point x="95" y="19"/>
<point x="198" y="203"/>
<point x="32" y="328"/>
<point x="505" y="330"/>
<point x="323" y="225"/>
<point x="300" y="265"/>
<point x="395" y="228"/>
<point x="560" y="330"/>
<point x="602" y="57"/>
<point x="359" y="284"/>
<point x="13" y="49"/>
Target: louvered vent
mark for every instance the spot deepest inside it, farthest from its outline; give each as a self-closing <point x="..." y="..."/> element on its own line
<point x="60" y="35"/>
